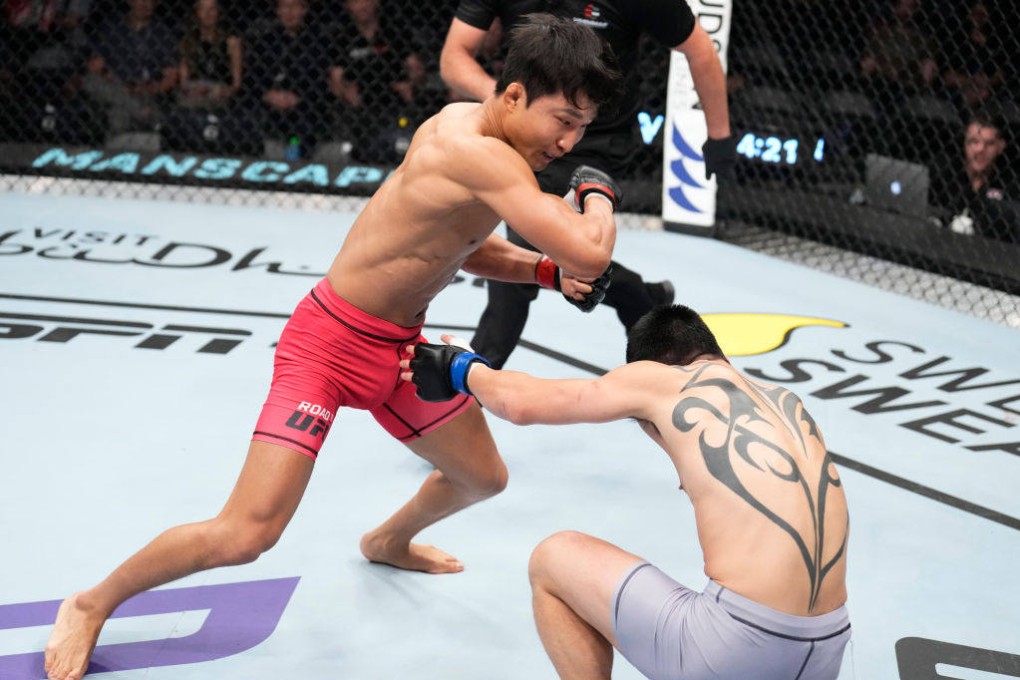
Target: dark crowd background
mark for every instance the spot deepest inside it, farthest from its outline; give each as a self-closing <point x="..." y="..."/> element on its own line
<point x="885" y="127"/>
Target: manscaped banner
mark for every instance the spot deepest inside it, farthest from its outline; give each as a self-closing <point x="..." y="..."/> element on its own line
<point x="193" y="169"/>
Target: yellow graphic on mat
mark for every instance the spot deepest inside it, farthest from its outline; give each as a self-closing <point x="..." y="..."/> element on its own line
<point x="745" y="334"/>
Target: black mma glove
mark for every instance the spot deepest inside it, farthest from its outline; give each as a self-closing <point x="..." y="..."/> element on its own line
<point x="598" y="292"/>
<point x="440" y="371"/>
<point x="547" y="275"/>
<point x="587" y="180"/>
<point x="720" y="156"/>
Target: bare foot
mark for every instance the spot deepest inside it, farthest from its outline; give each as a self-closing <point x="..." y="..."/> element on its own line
<point x="72" y="640"/>
<point x="412" y="556"/>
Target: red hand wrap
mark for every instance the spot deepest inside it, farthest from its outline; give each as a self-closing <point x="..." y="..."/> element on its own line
<point x="545" y="273"/>
<point x="582" y="193"/>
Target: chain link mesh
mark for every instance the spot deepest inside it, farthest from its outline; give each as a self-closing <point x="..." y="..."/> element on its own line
<point x="883" y="128"/>
<point x="887" y="128"/>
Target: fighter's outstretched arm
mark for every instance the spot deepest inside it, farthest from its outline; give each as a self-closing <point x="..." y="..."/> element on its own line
<point x="625" y="392"/>
<point x="526" y="400"/>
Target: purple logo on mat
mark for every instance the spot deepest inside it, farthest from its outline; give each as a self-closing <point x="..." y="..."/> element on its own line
<point x="241" y="615"/>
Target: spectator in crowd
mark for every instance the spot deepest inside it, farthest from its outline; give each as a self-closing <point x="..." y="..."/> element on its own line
<point x="211" y="68"/>
<point x="611" y="143"/>
<point x="897" y="59"/>
<point x="132" y="67"/>
<point x="288" y="63"/>
<point x="980" y="195"/>
<point x="376" y="74"/>
<point x="210" y="59"/>
<point x="974" y="59"/>
<point x="47" y="31"/>
<point x="42" y="49"/>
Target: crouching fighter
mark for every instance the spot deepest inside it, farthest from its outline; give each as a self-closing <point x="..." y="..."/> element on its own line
<point x="770" y="511"/>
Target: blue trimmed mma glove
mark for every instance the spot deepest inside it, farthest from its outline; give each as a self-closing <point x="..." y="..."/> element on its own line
<point x="720" y="156"/>
<point x="547" y="275"/>
<point x="440" y="371"/>
<point x="587" y="180"/>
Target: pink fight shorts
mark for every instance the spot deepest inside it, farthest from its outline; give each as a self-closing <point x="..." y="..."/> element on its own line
<point x="332" y="354"/>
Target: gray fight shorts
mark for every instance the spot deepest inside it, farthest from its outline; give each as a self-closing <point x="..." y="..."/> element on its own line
<point x="670" y="632"/>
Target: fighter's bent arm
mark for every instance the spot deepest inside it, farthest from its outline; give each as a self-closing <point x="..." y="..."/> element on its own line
<point x="580" y="243"/>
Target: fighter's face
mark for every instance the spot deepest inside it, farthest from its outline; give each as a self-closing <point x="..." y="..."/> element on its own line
<point x="982" y="145"/>
<point x="548" y="127"/>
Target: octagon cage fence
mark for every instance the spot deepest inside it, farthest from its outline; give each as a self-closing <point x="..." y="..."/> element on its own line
<point x="876" y="139"/>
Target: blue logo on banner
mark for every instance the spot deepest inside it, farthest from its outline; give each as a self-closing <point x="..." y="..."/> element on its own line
<point x="679" y="171"/>
<point x="649" y="126"/>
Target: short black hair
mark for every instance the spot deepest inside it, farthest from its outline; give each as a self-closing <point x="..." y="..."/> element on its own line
<point x="671" y="334"/>
<point x="988" y="118"/>
<point x="549" y="54"/>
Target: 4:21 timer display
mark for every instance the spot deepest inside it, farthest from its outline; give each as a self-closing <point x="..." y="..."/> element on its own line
<point x="780" y="150"/>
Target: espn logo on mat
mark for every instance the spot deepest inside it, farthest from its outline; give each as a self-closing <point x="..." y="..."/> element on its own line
<point x="64" y="329"/>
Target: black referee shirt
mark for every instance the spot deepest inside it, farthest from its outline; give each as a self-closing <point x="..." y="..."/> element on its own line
<point x="620" y="22"/>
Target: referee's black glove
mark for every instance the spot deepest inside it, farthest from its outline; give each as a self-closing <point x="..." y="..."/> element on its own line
<point x="720" y="157"/>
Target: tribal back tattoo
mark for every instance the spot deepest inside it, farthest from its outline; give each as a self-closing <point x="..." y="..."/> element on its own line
<point x="743" y="447"/>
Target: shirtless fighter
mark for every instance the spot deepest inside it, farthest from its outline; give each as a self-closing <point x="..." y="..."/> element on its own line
<point x="769" y="506"/>
<point x="467" y="168"/>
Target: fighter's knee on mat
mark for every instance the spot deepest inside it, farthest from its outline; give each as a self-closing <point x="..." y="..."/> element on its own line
<point x="549" y="551"/>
